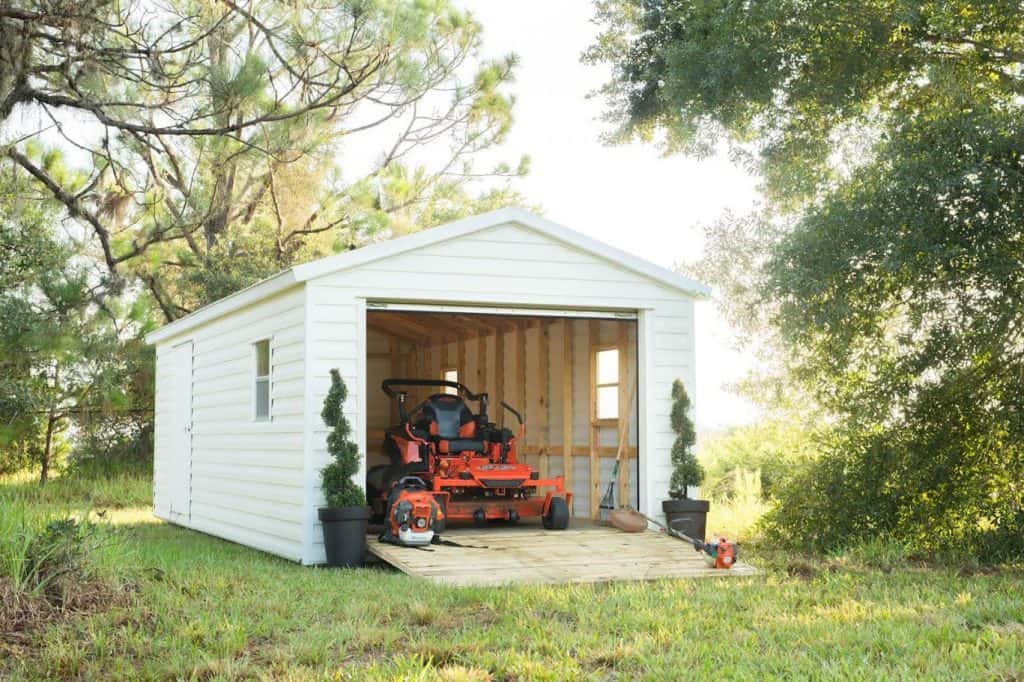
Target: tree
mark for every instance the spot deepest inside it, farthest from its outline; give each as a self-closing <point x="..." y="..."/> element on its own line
<point x="336" y="478"/>
<point x="686" y="470"/>
<point x="60" y="346"/>
<point x="216" y="129"/>
<point x="889" y="139"/>
<point x="197" y="148"/>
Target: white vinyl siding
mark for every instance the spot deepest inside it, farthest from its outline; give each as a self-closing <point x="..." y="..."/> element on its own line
<point x="257" y="482"/>
<point x="526" y="268"/>
<point x="165" y="396"/>
<point x="247" y="476"/>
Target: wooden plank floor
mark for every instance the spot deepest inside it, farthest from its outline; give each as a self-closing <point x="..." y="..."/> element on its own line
<point x="530" y="554"/>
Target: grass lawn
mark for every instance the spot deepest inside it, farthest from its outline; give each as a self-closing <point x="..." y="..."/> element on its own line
<point x="206" y="608"/>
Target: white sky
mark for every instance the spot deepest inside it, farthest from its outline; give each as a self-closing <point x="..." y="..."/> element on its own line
<point x="629" y="196"/>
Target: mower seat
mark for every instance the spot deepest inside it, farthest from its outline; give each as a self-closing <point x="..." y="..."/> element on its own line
<point x="451" y="424"/>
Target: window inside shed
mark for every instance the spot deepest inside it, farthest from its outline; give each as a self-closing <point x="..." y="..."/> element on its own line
<point x="451" y="375"/>
<point x="262" y="387"/>
<point x="607" y="388"/>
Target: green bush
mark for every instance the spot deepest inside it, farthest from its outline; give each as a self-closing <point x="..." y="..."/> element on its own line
<point x="940" y="493"/>
<point x="336" y="478"/>
<point x="686" y="470"/>
<point x="113" y="445"/>
<point x="773" y="447"/>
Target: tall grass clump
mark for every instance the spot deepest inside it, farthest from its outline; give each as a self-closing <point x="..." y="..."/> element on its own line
<point x="737" y="514"/>
<point x="52" y="564"/>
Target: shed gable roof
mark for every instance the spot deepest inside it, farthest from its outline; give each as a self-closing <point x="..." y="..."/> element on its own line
<point x="419" y="240"/>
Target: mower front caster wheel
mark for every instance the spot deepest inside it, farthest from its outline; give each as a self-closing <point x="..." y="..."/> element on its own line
<point x="557" y="517"/>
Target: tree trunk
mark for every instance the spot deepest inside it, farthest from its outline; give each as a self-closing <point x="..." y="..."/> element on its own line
<point x="44" y="471"/>
<point x="15" y="55"/>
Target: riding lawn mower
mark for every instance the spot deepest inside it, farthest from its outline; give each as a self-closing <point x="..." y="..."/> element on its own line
<point x="468" y="463"/>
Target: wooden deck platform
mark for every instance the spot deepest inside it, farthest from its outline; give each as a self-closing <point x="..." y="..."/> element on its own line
<point x="530" y="554"/>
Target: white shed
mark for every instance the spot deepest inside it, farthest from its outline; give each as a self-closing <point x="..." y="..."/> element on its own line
<point x="509" y="303"/>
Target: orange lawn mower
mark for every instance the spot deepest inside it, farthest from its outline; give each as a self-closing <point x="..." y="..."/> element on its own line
<point x="467" y="462"/>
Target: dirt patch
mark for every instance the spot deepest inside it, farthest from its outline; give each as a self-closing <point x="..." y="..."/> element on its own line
<point x="23" y="614"/>
<point x="1012" y="629"/>
<point x="801" y="568"/>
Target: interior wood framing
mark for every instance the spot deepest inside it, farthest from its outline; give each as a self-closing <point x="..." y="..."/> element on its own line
<point x="512" y="358"/>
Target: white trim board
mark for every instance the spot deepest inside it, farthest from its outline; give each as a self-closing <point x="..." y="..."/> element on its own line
<point x="582" y="313"/>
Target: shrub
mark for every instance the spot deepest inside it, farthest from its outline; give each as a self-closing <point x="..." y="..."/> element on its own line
<point x="54" y="566"/>
<point x="112" y="445"/>
<point x="943" y="498"/>
<point x="774" y="447"/>
<point x="57" y="554"/>
<point x="686" y="470"/>
<point x="46" y="555"/>
<point x="336" y="478"/>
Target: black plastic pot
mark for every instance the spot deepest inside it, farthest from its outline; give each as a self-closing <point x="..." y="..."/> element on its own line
<point x="689" y="517"/>
<point x="344" y="535"/>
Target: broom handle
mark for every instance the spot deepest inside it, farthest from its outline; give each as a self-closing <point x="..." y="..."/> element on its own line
<point x="610" y="493"/>
<point x="625" y="432"/>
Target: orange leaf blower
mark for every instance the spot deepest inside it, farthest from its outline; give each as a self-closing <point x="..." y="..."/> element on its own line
<point x="414" y="517"/>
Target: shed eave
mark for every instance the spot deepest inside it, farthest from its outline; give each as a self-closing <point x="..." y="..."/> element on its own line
<point x="253" y="293"/>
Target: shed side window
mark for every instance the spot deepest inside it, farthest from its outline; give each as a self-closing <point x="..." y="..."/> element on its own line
<point x="261" y="353"/>
<point x="607" y="389"/>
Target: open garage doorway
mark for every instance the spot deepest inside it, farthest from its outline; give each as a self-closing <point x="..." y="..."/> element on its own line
<point x="573" y="376"/>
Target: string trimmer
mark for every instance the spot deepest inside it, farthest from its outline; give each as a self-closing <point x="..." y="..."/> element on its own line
<point x="719" y="553"/>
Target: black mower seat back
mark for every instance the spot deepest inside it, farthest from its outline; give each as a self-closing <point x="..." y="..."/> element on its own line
<point x="447" y="417"/>
<point x="451" y="424"/>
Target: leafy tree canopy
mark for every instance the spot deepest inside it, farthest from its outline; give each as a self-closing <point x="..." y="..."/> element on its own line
<point x="65" y="352"/>
<point x="217" y="136"/>
<point x="886" y="262"/>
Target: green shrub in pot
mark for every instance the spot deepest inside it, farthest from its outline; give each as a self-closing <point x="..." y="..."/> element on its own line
<point x="345" y="517"/>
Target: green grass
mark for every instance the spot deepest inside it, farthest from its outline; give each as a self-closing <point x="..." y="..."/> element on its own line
<point x="205" y="608"/>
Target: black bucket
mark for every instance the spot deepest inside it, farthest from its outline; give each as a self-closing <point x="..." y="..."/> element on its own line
<point x="689" y="517"/>
<point x="344" y="535"/>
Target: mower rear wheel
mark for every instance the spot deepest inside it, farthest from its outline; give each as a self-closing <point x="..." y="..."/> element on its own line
<point x="557" y="517"/>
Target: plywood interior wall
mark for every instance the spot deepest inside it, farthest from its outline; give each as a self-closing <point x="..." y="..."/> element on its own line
<point x="542" y="366"/>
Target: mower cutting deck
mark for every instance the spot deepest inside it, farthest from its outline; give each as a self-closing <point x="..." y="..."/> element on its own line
<point x="467" y="462"/>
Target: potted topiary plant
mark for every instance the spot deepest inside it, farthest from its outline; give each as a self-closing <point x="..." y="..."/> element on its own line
<point x="688" y="516"/>
<point x="345" y="517"/>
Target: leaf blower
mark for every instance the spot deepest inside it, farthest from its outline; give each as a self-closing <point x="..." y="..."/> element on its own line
<point x="414" y="518"/>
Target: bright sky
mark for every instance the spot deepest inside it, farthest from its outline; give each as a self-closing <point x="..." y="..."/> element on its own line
<point x="630" y="196"/>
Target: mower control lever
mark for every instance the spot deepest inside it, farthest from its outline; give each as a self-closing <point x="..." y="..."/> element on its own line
<point x="513" y="411"/>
